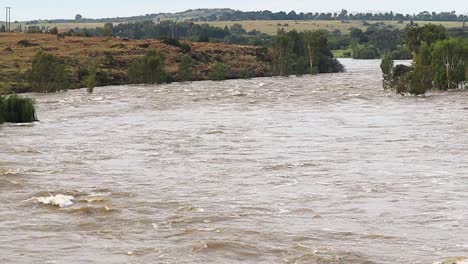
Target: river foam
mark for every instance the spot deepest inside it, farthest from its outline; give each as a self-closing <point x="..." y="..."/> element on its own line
<point x="59" y="200"/>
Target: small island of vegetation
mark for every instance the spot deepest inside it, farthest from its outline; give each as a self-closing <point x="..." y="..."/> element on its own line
<point x="439" y="62"/>
<point x="14" y="109"/>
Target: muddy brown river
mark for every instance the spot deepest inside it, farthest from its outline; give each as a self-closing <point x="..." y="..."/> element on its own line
<point x="314" y="169"/>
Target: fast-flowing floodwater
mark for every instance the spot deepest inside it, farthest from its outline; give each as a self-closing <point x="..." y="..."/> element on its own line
<point x="316" y="169"/>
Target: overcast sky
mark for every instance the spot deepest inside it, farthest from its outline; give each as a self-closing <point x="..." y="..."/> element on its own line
<point x="46" y="9"/>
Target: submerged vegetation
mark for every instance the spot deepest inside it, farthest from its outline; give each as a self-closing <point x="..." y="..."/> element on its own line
<point x="14" y="109"/>
<point x="91" y="78"/>
<point x="439" y="62"/>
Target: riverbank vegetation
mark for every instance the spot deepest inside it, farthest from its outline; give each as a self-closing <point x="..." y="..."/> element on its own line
<point x="14" y="109"/>
<point x="303" y="53"/>
<point x="150" y="52"/>
<point x="439" y="62"/>
<point x="49" y="62"/>
<point x="26" y="60"/>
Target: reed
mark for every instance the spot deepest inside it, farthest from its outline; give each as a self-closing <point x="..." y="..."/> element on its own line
<point x="15" y="109"/>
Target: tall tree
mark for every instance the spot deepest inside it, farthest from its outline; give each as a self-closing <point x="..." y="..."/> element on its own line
<point x="282" y="55"/>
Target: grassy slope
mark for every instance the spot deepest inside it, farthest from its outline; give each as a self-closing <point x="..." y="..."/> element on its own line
<point x="16" y="59"/>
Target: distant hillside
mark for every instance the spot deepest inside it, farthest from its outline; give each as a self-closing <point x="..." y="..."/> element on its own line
<point x="226" y="14"/>
<point x="191" y="14"/>
<point x="197" y="13"/>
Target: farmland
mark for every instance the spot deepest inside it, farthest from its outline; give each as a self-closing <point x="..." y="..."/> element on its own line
<point x="267" y="26"/>
<point x="272" y="26"/>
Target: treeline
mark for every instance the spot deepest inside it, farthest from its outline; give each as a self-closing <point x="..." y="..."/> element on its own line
<point x="440" y="62"/>
<point x="371" y="43"/>
<point x="379" y="39"/>
<point x="303" y="53"/>
<point x="190" y="31"/>
<point x="235" y="15"/>
<point x="343" y="15"/>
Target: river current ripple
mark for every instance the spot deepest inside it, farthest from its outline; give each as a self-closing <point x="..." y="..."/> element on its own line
<point x="314" y="169"/>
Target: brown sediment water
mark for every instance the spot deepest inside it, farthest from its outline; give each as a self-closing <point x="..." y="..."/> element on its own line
<point x="314" y="169"/>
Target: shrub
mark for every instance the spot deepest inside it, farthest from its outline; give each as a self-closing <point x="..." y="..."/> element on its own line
<point x="244" y="73"/>
<point x="365" y="52"/>
<point x="48" y="73"/>
<point x="402" y="53"/>
<point x="184" y="71"/>
<point x="400" y="78"/>
<point x="420" y="79"/>
<point x="176" y="43"/>
<point x="91" y="78"/>
<point x="148" y="70"/>
<point x="387" y="67"/>
<point x="218" y="72"/>
<point x="261" y="54"/>
<point x="53" y="31"/>
<point x="14" y="109"/>
<point x="26" y="43"/>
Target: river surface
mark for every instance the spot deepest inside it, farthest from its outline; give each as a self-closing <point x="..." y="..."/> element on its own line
<point x="314" y="169"/>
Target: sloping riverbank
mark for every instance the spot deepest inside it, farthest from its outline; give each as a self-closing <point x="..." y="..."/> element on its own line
<point x="113" y="56"/>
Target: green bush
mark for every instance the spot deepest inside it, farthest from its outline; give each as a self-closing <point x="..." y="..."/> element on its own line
<point x="91" y="80"/>
<point x="148" y="70"/>
<point x="244" y="73"/>
<point x="402" y="53"/>
<point x="176" y="43"/>
<point x="218" y="72"/>
<point x="365" y="52"/>
<point x="48" y="73"/>
<point x="184" y="71"/>
<point x="387" y="66"/>
<point x="14" y="109"/>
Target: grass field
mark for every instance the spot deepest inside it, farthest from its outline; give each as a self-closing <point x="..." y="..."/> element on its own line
<point x="271" y="26"/>
<point x="341" y="53"/>
<point x="60" y="26"/>
<point x="267" y="26"/>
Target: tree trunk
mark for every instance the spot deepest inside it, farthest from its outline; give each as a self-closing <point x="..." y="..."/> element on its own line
<point x="311" y="58"/>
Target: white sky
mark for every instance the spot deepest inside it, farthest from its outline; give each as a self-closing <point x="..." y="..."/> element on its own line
<point x="47" y="9"/>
